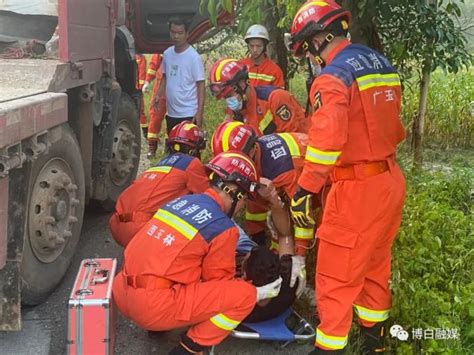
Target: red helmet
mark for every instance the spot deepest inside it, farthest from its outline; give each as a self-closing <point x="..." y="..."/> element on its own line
<point x="313" y="17"/>
<point x="225" y="73"/>
<point x="236" y="168"/>
<point x="188" y="134"/>
<point x="233" y="135"/>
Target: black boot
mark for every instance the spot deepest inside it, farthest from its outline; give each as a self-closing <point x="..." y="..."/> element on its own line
<point x="318" y="351"/>
<point x="188" y="346"/>
<point x="373" y="339"/>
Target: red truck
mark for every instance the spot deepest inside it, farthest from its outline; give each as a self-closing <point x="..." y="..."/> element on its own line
<point x="69" y="129"/>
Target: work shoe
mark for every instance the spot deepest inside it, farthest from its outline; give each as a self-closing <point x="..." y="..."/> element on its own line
<point x="145" y="132"/>
<point x="188" y="346"/>
<point x="152" y="146"/>
<point x="373" y="339"/>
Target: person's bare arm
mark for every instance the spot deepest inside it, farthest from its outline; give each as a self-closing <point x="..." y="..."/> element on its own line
<point x="201" y="94"/>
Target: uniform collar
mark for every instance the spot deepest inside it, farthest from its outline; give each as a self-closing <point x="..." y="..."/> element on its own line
<point x="215" y="196"/>
<point x="336" y="50"/>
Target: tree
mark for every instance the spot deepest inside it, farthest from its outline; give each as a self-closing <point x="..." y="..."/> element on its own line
<point x="418" y="36"/>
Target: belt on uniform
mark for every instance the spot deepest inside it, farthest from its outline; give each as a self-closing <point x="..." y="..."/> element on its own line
<point x="137" y="216"/>
<point x="359" y="171"/>
<point x="149" y="282"/>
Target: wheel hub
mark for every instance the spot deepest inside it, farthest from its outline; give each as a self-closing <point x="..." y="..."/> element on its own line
<point x="52" y="210"/>
<point x="123" y="154"/>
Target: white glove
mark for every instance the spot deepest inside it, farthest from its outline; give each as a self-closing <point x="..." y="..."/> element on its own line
<point x="298" y="271"/>
<point x="146" y="87"/>
<point x="269" y="290"/>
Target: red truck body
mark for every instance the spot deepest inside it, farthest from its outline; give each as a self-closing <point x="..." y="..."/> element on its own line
<point x="69" y="132"/>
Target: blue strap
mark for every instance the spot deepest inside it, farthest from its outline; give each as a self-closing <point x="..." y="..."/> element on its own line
<point x="273" y="329"/>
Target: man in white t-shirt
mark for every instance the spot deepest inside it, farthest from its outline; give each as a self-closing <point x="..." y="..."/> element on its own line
<point x="183" y="78"/>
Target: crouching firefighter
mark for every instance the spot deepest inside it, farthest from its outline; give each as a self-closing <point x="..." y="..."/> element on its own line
<point x="179" y="173"/>
<point x="179" y="270"/>
<point x="279" y="159"/>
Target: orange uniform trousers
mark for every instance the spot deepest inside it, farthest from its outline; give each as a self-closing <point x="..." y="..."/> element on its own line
<point x="157" y="114"/>
<point x="200" y="305"/>
<point x="360" y="221"/>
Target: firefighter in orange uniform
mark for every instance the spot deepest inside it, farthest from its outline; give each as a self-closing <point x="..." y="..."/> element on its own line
<point x="141" y="66"/>
<point x="179" y="270"/>
<point x="353" y="139"/>
<point x="279" y="157"/>
<point x="262" y="70"/>
<point x="157" y="109"/>
<point x="179" y="173"/>
<point x="267" y="109"/>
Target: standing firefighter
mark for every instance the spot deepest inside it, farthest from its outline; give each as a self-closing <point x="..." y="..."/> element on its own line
<point x="141" y="66"/>
<point x="179" y="270"/>
<point x="262" y="70"/>
<point x="354" y="134"/>
<point x="157" y="108"/>
<point x="179" y="173"/>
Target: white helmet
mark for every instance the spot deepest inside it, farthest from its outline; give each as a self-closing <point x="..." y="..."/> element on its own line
<point x="257" y="31"/>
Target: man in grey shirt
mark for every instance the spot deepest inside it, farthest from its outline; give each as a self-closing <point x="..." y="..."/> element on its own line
<point x="183" y="78"/>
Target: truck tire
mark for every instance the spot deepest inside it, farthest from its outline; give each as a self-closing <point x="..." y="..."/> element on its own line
<point x="122" y="169"/>
<point x="54" y="214"/>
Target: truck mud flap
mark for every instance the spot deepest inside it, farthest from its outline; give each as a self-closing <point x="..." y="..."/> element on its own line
<point x="10" y="282"/>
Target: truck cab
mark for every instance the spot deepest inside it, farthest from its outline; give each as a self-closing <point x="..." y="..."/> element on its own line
<point x="69" y="128"/>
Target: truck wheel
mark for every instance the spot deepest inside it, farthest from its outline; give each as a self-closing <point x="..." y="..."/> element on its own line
<point x="55" y="210"/>
<point x="123" y="167"/>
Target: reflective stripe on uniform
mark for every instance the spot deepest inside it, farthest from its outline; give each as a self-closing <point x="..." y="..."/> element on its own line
<point x="373" y="80"/>
<point x="141" y="81"/>
<point x="225" y="137"/>
<point x="267" y="119"/>
<point x="274" y="245"/>
<point x="176" y="223"/>
<point x="151" y="72"/>
<point x="371" y="315"/>
<point x="291" y="143"/>
<point x="256" y="217"/>
<point x="314" y="155"/>
<point x="262" y="77"/>
<point x="304" y="233"/>
<point x="330" y="342"/>
<point x="143" y="125"/>
<point x="224" y="322"/>
<point x="152" y="135"/>
<point x="159" y="169"/>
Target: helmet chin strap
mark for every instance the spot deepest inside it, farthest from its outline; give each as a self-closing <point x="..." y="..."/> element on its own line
<point x="316" y="52"/>
<point x="233" y="195"/>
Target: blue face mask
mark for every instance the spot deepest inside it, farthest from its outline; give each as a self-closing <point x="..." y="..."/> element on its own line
<point x="234" y="103"/>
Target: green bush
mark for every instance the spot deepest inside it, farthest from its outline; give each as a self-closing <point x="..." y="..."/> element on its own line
<point x="433" y="258"/>
<point x="449" y="120"/>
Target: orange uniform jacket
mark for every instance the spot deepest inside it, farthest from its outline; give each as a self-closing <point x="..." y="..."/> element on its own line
<point x="266" y="73"/>
<point x="353" y="138"/>
<point x="175" y="175"/>
<point x="190" y="243"/>
<point x="346" y="88"/>
<point x="269" y="109"/>
<point x="280" y="158"/>
<point x="141" y="64"/>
